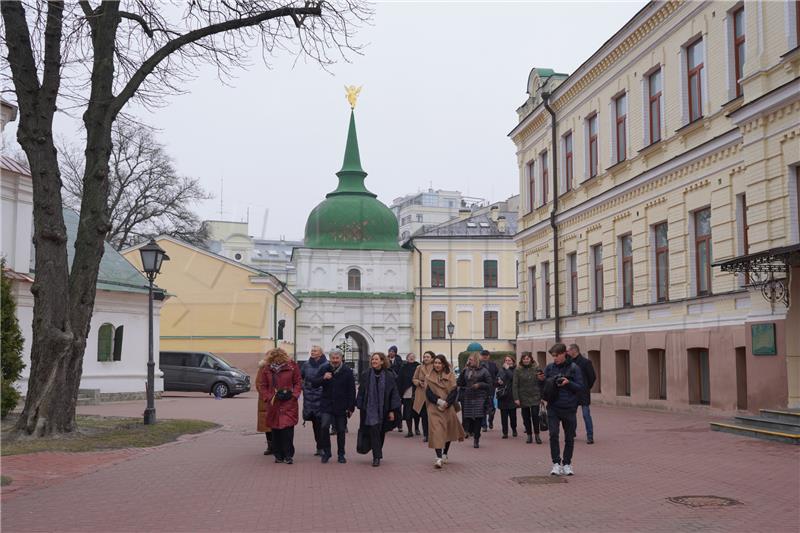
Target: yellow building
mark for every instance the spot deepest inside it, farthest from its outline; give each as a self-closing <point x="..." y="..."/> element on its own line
<point x="464" y="273"/>
<point x="676" y="147"/>
<point x="219" y="305"/>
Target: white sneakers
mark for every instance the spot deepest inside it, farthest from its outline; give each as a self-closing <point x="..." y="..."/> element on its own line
<point x="559" y="470"/>
<point x="556" y="471"/>
<point x="567" y="470"/>
<point x="444" y="458"/>
<point x="438" y="463"/>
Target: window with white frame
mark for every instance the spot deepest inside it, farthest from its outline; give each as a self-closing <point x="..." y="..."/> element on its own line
<point x="652" y="110"/>
<point x="619" y="134"/>
<point x="736" y="29"/>
<point x="660" y="236"/>
<point x="532" y="292"/>
<point x="529" y="168"/>
<point x="568" y="167"/>
<point x="597" y="276"/>
<point x="545" y="176"/>
<point x="626" y="263"/>
<point x="546" y="283"/>
<point x="694" y="60"/>
<point x="592" y="152"/>
<point x="572" y="266"/>
<point x="702" y="250"/>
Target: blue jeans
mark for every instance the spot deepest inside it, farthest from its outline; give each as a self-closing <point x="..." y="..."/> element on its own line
<point x="587" y="420"/>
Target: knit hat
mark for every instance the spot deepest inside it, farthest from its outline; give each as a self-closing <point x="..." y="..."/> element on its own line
<point x="393" y="349"/>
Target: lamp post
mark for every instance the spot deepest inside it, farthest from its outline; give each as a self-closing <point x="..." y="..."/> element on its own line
<point x="152" y="257"/>
<point x="451" y="328"/>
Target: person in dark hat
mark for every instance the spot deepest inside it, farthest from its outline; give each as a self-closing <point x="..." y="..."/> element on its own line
<point x="395" y="365"/>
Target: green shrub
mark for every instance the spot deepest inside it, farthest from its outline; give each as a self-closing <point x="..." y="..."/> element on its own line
<point x="11" y="345"/>
<point x="497" y="357"/>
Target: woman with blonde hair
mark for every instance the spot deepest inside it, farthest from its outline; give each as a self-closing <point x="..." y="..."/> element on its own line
<point x="476" y="383"/>
<point x="441" y="394"/>
<point x="378" y="401"/>
<point x="280" y="389"/>
<point x="261" y="425"/>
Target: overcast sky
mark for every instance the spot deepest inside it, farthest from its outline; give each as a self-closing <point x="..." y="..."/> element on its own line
<point x="441" y="85"/>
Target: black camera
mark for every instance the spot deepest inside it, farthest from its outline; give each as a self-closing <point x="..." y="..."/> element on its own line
<point x="283" y="394"/>
<point x="560" y="380"/>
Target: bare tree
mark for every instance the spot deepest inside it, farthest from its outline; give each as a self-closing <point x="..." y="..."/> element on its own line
<point x="146" y="195"/>
<point x="96" y="58"/>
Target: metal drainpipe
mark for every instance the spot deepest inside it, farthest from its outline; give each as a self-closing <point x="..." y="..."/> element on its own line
<point x="411" y="243"/>
<point x="553" y="212"/>
<point x="294" y="338"/>
<point x="275" y="313"/>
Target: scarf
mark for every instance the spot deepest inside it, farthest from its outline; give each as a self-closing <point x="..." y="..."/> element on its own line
<point x="375" y="393"/>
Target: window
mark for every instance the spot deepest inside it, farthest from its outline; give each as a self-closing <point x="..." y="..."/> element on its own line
<point x="694" y="65"/>
<point x="620" y="116"/>
<point x="592" y="129"/>
<point x="490" y="273"/>
<point x="654" y="108"/>
<point x="702" y="249"/>
<point x="437" y="325"/>
<point x="118" y="335"/>
<point x="531" y="186"/>
<point x="657" y="374"/>
<point x="532" y="291"/>
<point x="546" y="276"/>
<point x="419" y="218"/>
<point x="568" y="161"/>
<point x="353" y="279"/>
<point x="738" y="46"/>
<point x="623" y="372"/>
<point x="437" y="273"/>
<point x="545" y="176"/>
<point x="490" y="324"/>
<point x="698" y="375"/>
<point x="626" y="244"/>
<point x="662" y="262"/>
<point x="105" y="342"/>
<point x="597" y="259"/>
<point x="572" y="260"/>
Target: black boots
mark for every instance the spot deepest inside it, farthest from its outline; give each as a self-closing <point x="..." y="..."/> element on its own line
<point x="529" y="439"/>
<point x="476" y="442"/>
<point x="538" y="440"/>
<point x="268" y="451"/>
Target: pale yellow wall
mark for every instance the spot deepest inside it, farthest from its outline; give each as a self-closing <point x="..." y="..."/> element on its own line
<point x="464" y="299"/>
<point x="214" y="304"/>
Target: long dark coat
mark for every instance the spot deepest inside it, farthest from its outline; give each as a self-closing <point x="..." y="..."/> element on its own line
<point x="391" y="398"/>
<point x="473" y="400"/>
<point x="505" y="392"/>
<point x="312" y="393"/>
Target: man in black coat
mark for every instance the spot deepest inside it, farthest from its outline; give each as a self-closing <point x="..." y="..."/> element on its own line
<point x="396" y="363"/>
<point x="491" y="366"/>
<point x="585" y="399"/>
<point x="565" y="380"/>
<point x="337" y="403"/>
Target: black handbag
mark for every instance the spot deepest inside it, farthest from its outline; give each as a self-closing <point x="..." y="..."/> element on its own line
<point x="543" y="418"/>
<point x="363" y="441"/>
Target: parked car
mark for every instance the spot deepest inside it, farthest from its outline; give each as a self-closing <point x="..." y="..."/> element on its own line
<point x="203" y="372"/>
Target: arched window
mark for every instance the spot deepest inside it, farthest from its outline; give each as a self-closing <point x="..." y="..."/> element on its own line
<point x="105" y="342"/>
<point x="109" y="343"/>
<point x="353" y="279"/>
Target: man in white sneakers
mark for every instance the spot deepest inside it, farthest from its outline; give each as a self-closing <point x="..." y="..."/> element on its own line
<point x="563" y="385"/>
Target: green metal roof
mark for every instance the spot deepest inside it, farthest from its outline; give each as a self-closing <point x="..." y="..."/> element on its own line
<point x="116" y="273"/>
<point x="351" y="217"/>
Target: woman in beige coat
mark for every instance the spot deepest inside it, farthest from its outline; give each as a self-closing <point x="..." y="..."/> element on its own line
<point x="441" y="394"/>
<point x="261" y="425"/>
<point x="420" y="376"/>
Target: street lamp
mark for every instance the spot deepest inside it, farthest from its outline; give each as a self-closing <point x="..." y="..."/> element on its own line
<point x="152" y="257"/>
<point x="451" y="328"/>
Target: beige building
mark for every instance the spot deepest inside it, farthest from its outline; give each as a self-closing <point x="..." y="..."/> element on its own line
<point x="677" y="146"/>
<point x="464" y="273"/>
<point x="220" y="305"/>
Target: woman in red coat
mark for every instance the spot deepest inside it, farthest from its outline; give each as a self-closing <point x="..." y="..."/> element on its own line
<point x="280" y="389"/>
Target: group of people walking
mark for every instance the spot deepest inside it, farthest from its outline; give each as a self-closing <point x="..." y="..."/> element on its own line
<point x="392" y="391"/>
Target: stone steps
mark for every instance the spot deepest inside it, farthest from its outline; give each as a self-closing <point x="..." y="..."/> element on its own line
<point x="776" y="425"/>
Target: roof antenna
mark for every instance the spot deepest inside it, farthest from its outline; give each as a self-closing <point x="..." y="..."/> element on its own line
<point x="221" y="193"/>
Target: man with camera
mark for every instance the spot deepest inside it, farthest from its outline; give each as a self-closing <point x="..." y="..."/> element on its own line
<point x="562" y="387"/>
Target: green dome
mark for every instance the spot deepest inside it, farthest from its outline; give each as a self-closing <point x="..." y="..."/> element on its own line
<point x="474" y="347"/>
<point x="351" y="217"/>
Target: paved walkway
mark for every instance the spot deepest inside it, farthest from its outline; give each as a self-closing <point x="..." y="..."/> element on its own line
<point x="220" y="481"/>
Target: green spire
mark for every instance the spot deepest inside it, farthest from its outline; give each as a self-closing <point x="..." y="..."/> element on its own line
<point x="351" y="177"/>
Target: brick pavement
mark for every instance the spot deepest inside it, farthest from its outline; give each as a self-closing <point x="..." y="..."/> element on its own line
<point x="220" y="481"/>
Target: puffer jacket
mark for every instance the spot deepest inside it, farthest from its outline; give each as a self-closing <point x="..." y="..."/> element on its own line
<point x="527" y="389"/>
<point x="312" y="394"/>
<point x="473" y="399"/>
<point x="505" y="392"/>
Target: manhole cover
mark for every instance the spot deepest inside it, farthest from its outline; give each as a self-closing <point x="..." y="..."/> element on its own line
<point x="700" y="502"/>
<point x="538" y="480"/>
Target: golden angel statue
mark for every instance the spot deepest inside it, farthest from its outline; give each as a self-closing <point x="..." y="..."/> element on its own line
<point x="352" y="94"/>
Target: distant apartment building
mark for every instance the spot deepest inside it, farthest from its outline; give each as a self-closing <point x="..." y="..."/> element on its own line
<point x="465" y="273"/>
<point x="429" y="208"/>
<point x="676" y="261"/>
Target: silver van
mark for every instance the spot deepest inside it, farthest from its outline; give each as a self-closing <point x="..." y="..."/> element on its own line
<point x="202" y="372"/>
